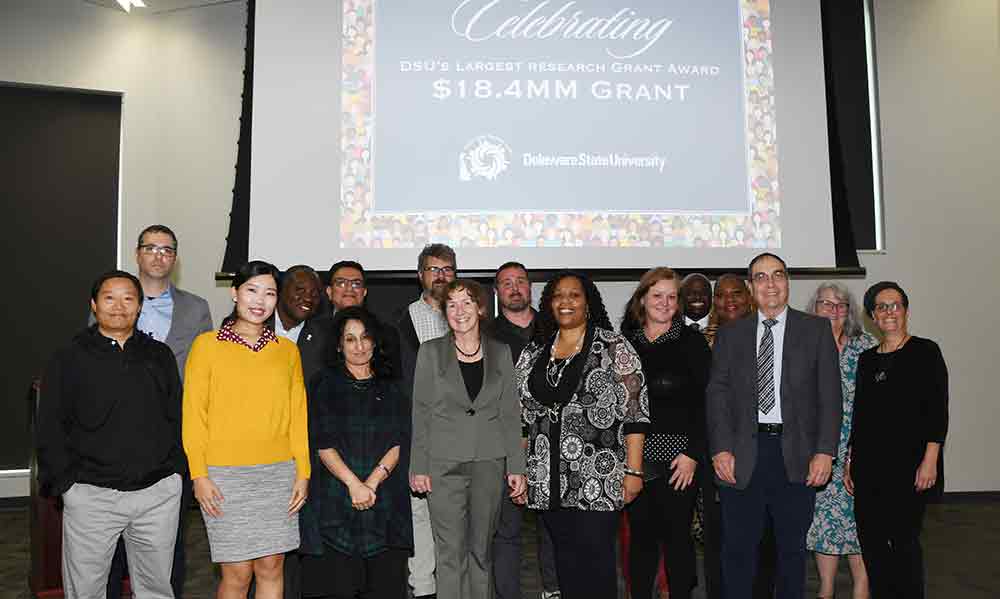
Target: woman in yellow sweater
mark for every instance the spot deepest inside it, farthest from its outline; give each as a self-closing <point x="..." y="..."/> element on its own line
<point x="245" y="434"/>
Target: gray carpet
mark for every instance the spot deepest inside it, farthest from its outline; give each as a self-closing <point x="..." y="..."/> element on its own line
<point x="961" y="544"/>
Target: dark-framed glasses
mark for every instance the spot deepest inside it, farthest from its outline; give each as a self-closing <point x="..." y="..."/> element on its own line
<point x="776" y="276"/>
<point x="892" y="307"/>
<point x="342" y="283"/>
<point x="151" y="249"/>
<point x="833" y="306"/>
<point x="440" y="270"/>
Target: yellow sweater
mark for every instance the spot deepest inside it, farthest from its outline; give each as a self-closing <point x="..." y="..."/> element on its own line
<point x="243" y="408"/>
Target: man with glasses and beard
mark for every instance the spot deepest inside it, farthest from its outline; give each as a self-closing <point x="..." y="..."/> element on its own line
<point x="421" y="321"/>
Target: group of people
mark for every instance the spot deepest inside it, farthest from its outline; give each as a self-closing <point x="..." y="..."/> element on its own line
<point x="334" y="455"/>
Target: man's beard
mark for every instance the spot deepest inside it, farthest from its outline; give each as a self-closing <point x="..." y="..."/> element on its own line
<point x="517" y="305"/>
<point x="438" y="290"/>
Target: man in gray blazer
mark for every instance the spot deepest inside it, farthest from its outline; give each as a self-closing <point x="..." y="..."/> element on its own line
<point x="169" y="314"/>
<point x="774" y="410"/>
<point x="175" y="317"/>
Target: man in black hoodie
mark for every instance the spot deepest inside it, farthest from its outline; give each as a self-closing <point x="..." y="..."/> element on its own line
<point x="109" y="443"/>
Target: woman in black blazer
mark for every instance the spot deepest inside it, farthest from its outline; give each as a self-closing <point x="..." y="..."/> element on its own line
<point x="676" y="361"/>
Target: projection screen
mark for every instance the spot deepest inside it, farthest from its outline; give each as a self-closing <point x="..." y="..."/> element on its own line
<point x="583" y="133"/>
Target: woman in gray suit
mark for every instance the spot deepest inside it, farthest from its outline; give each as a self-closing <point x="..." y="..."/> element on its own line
<point x="466" y="437"/>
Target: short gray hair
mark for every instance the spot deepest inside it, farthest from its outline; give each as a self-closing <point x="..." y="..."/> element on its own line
<point x="853" y="326"/>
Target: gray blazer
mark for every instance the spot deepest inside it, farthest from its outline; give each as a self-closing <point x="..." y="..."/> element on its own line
<point x="191" y="317"/>
<point x="810" y="394"/>
<point x="448" y="426"/>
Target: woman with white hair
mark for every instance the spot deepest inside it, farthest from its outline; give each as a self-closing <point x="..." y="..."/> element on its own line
<point x="833" y="532"/>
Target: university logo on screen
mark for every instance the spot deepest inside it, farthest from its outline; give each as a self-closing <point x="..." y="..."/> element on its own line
<point x="484" y="157"/>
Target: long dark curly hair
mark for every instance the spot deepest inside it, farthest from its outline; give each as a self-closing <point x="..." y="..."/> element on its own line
<point x="545" y="322"/>
<point x="381" y="365"/>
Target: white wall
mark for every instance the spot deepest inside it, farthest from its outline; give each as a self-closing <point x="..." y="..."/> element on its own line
<point x="939" y="85"/>
<point x="201" y="53"/>
<point x="182" y="75"/>
<point x="71" y="44"/>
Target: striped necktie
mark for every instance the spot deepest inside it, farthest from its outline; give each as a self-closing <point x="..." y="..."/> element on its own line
<point x="765" y="368"/>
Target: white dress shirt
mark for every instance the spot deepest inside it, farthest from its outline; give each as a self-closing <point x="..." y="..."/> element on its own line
<point x="778" y="332"/>
<point x="292" y="333"/>
<point x="702" y="323"/>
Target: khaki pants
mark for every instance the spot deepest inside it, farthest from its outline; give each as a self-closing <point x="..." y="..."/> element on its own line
<point x="422" y="564"/>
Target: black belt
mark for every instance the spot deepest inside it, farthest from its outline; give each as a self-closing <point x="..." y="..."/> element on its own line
<point x="769" y="429"/>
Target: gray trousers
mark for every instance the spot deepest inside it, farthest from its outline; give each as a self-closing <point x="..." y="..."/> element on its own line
<point x="465" y="506"/>
<point x="93" y="520"/>
<point x="507" y="546"/>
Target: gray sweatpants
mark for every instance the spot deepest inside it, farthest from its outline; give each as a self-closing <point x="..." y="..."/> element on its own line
<point x="94" y="518"/>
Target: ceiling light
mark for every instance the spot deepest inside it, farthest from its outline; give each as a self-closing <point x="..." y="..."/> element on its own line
<point x="128" y="4"/>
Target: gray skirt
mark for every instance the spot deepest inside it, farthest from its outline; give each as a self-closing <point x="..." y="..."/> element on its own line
<point x="255" y="521"/>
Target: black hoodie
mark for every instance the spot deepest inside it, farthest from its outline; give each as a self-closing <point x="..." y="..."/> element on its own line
<point x="109" y="415"/>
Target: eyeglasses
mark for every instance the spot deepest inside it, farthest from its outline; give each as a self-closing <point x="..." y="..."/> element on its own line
<point x="893" y="307"/>
<point x="778" y="276"/>
<point x="440" y="270"/>
<point x="342" y="283"/>
<point x="833" y="306"/>
<point x="159" y="250"/>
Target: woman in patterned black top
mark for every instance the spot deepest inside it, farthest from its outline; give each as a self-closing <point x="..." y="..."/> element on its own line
<point x="584" y="403"/>
<point x="360" y="496"/>
<point x="676" y="362"/>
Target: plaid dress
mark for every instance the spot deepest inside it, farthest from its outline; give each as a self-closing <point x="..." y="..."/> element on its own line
<point x="362" y="420"/>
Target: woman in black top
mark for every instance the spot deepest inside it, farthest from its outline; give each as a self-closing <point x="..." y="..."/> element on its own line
<point x="584" y="402"/>
<point x="676" y="361"/>
<point x="467" y="453"/>
<point x="359" y="497"/>
<point x="899" y="428"/>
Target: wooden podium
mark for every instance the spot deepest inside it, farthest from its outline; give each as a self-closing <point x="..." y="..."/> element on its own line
<point x="45" y="578"/>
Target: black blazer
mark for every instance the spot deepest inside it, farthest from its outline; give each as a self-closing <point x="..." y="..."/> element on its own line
<point x="811" y="407"/>
<point x="403" y="341"/>
<point x="312" y="345"/>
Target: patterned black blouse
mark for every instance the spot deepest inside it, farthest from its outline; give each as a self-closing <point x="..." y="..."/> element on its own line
<point x="583" y="435"/>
